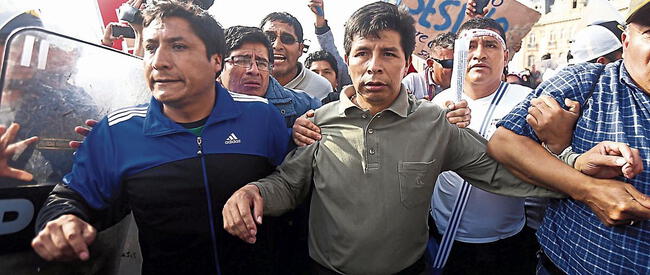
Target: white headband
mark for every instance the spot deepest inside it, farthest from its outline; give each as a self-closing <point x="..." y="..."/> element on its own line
<point x="471" y="33"/>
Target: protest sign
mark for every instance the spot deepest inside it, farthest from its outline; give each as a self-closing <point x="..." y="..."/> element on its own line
<point x="436" y="16"/>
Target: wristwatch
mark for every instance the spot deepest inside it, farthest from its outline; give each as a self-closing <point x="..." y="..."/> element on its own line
<point x="567" y="156"/>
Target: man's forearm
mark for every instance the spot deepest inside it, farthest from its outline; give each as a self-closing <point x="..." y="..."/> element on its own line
<point x="289" y="184"/>
<point x="62" y="200"/>
<point x="530" y="161"/>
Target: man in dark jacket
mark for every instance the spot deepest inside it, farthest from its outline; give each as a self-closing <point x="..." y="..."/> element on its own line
<point x="172" y="162"/>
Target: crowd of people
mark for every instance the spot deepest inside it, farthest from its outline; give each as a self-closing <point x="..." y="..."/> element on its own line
<point x="247" y="161"/>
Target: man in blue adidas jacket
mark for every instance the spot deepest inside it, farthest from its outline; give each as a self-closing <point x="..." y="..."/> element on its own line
<point x="173" y="162"/>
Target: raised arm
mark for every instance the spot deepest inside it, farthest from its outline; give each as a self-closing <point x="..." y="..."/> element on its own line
<point x="8" y="149"/>
<point x="326" y="40"/>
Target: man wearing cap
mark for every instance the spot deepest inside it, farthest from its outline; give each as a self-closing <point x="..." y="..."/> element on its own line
<point x="437" y="75"/>
<point x="597" y="44"/>
<point x="603" y="227"/>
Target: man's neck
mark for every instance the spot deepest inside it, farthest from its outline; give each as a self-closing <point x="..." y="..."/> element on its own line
<point x="372" y="107"/>
<point x="476" y="91"/>
<point x="195" y="111"/>
<point x="639" y="79"/>
<point x="286" y="78"/>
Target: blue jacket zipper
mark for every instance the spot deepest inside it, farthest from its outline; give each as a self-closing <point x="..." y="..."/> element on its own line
<point x="199" y="142"/>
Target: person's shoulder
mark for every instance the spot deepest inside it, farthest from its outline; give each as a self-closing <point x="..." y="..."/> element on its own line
<point x="440" y="98"/>
<point x="251" y="104"/>
<point x="327" y="112"/>
<point x="582" y="71"/>
<point x="514" y="94"/>
<point x="317" y="80"/>
<point x="578" y="77"/>
<point x="302" y="100"/>
<point x="128" y="114"/>
<point x="411" y="77"/>
<point x="517" y="90"/>
<point x="296" y="93"/>
<point x="248" y="99"/>
<point x="430" y="109"/>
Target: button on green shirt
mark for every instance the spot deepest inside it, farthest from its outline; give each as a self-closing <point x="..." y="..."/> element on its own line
<point x="373" y="178"/>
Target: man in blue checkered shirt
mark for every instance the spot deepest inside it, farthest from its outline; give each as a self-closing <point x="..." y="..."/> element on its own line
<point x="603" y="228"/>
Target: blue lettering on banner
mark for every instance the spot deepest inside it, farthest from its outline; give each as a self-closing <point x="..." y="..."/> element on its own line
<point x="445" y="15"/>
<point x="450" y="22"/>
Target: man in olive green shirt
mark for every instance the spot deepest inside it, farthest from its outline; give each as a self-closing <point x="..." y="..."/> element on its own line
<point x="374" y="169"/>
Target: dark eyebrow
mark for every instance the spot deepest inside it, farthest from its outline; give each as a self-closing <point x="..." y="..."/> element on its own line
<point x="363" y="48"/>
<point x="174" y="39"/>
<point x="168" y="40"/>
<point x="257" y="57"/>
<point x="390" y="49"/>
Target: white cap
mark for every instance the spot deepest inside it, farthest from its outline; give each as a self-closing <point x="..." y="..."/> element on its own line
<point x="592" y="42"/>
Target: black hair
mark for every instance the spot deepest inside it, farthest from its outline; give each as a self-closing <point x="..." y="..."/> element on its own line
<point x="237" y="36"/>
<point x="204" y="4"/>
<point x="611" y="56"/>
<point x="445" y="40"/>
<point x="483" y="23"/>
<point x="201" y="22"/>
<point x="375" y="17"/>
<point x="284" y="17"/>
<point x="323" y="55"/>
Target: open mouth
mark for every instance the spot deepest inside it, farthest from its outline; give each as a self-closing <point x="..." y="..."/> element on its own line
<point x="277" y="58"/>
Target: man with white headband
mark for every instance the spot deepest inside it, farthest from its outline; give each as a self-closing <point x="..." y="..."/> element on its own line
<point x="491" y="229"/>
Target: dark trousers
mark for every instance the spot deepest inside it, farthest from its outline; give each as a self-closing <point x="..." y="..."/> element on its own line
<point x="515" y="255"/>
<point x="417" y="268"/>
<point x="546" y="267"/>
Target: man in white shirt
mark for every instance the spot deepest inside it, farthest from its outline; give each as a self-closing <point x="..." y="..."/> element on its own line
<point x="489" y="230"/>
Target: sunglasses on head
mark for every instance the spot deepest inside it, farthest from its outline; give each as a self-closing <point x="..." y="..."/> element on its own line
<point x="445" y="63"/>
<point x="285" y="38"/>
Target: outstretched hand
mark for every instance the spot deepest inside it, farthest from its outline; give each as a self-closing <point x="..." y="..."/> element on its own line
<point x="84" y="131"/>
<point x="8" y="149"/>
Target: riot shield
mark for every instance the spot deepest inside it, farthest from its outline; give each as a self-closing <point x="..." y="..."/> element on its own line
<point x="49" y="84"/>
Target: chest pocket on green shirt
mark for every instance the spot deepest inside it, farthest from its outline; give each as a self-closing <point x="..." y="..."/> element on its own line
<point x="416" y="181"/>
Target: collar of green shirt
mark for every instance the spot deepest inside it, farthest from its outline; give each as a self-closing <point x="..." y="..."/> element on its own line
<point x="400" y="106"/>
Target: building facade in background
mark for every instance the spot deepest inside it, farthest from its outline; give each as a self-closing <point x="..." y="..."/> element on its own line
<point x="554" y="32"/>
